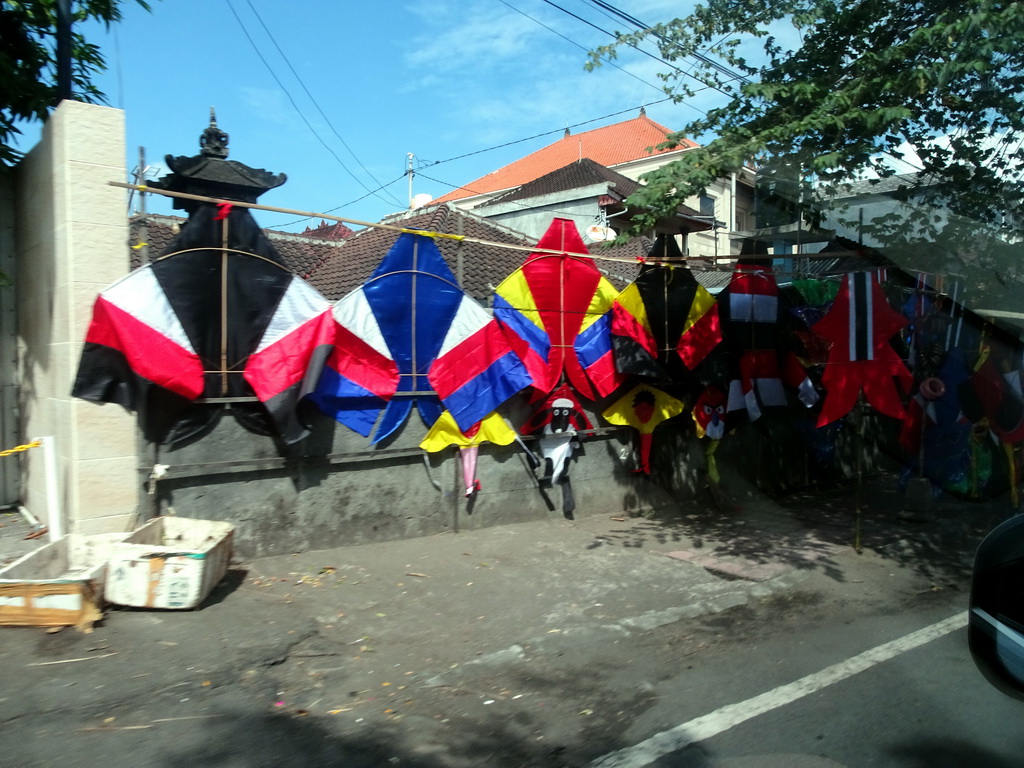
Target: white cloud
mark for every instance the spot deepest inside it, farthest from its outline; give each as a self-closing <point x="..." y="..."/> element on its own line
<point x="453" y="40"/>
<point x="270" y="105"/>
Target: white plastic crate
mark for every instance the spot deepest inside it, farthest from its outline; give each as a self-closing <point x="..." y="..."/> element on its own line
<point x="170" y="562"/>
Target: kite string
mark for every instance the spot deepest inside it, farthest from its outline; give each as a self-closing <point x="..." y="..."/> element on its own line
<point x="701" y="260"/>
<point x="373" y="225"/>
<point x="693" y="263"/>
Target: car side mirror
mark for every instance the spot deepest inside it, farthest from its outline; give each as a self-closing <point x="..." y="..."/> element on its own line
<point x="996" y="626"/>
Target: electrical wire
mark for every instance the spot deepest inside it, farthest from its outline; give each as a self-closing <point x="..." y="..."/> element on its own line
<point x="476" y="152"/>
<point x="720" y="68"/>
<point x="638" y="49"/>
<point x="273" y="74"/>
<point x="315" y="103"/>
<point x="545" y="133"/>
<point x="345" y="205"/>
<point x="581" y="47"/>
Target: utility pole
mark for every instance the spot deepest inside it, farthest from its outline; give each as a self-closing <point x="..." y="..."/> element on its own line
<point x="410" y="174"/>
<point x="63" y="50"/>
<point x="143" y="229"/>
<point x="140" y="178"/>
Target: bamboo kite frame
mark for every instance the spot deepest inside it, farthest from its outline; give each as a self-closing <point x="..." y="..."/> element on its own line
<point x="729" y="261"/>
<point x="401" y="230"/>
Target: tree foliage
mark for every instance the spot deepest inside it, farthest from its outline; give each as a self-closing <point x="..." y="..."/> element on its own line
<point x="28" y="61"/>
<point x="867" y="80"/>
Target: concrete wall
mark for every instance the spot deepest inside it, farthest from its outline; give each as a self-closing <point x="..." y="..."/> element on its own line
<point x="578" y="205"/>
<point x="337" y="489"/>
<point x="10" y="466"/>
<point x="71" y="235"/>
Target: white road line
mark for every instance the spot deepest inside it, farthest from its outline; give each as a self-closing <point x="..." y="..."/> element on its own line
<point x="724" y="718"/>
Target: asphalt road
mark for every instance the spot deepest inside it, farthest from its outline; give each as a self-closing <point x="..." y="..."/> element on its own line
<point x="926" y="707"/>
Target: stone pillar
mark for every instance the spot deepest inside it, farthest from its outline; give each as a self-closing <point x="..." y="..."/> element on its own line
<point x="71" y="239"/>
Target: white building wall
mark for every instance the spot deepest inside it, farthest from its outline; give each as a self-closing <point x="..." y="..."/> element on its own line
<point x="733" y="204"/>
<point x="70" y="232"/>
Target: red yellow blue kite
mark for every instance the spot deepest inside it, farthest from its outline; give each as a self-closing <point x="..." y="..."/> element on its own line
<point x="558" y="308"/>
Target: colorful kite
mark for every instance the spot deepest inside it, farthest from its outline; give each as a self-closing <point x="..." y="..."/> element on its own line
<point x="410" y="334"/>
<point x="860" y="325"/>
<point x="558" y="308"/>
<point x="664" y="323"/>
<point x="755" y="329"/>
<point x="643" y="408"/>
<point x="445" y="432"/>
<point x="204" y="322"/>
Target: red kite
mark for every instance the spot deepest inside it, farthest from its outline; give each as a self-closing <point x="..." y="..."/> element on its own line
<point x="558" y="308"/>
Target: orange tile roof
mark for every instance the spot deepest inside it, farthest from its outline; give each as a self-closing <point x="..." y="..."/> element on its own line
<point x="609" y="146"/>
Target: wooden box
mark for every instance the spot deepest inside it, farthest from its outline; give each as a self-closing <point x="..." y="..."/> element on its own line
<point x="59" y="584"/>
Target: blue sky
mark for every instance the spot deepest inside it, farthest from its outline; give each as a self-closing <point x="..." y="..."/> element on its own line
<point x="439" y="79"/>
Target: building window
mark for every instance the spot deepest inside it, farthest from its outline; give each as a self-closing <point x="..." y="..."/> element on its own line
<point x="707" y="208"/>
<point x="707" y="205"/>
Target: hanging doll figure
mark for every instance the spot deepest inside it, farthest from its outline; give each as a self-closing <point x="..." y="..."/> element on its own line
<point x="709" y="418"/>
<point x="557" y="422"/>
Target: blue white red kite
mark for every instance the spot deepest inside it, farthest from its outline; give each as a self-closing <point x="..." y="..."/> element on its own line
<point x="410" y="334"/>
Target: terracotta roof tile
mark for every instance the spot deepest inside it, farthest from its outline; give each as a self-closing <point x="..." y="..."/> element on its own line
<point x="610" y="145"/>
<point x="576" y="175"/>
<point x="483" y="267"/>
<point x="585" y="173"/>
<point x="325" y="231"/>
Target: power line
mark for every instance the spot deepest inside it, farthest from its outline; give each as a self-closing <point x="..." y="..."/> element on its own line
<point x="581" y="47"/>
<point x="480" y="152"/>
<point x="638" y="49"/>
<point x="720" y="68"/>
<point x="542" y="135"/>
<point x="314" y="101"/>
<point x="524" y="206"/>
<point x="292" y="100"/>
<point x="345" y="205"/>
